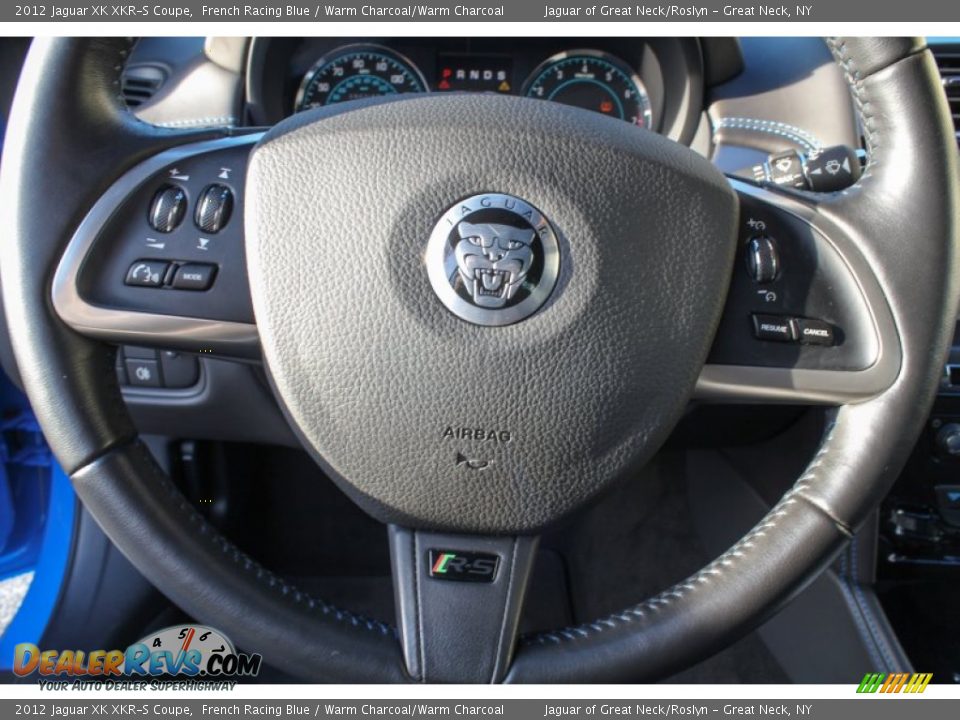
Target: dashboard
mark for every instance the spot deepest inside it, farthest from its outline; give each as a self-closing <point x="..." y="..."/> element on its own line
<point x="654" y="83"/>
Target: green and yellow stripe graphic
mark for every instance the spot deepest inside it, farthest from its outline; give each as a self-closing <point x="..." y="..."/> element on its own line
<point x="440" y="566"/>
<point x="894" y="682"/>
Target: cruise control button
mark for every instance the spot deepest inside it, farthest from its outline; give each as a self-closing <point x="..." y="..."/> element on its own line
<point x="814" y="332"/>
<point x="143" y="373"/>
<point x="773" y="327"/>
<point x="195" y="276"/>
<point x="147" y="273"/>
<point x="763" y="261"/>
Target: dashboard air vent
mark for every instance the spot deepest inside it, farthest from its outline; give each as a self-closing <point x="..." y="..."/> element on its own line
<point x="949" y="64"/>
<point x="140" y="82"/>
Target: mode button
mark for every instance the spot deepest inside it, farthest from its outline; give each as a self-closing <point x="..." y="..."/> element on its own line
<point x="195" y="276"/>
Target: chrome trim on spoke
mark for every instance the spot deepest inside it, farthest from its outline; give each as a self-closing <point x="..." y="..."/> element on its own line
<point x="128" y="326"/>
<point x="749" y="384"/>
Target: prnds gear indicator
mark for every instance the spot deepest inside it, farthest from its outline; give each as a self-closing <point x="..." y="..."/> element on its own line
<point x="483" y="73"/>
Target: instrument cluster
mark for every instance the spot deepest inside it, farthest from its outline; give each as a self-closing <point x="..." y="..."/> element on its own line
<point x="652" y="83"/>
<point x="586" y="78"/>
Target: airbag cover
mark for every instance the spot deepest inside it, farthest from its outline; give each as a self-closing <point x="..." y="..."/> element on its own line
<point x="432" y="421"/>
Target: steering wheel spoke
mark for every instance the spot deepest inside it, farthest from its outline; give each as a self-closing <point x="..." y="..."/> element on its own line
<point x="805" y="319"/>
<point x="159" y="259"/>
<point x="459" y="599"/>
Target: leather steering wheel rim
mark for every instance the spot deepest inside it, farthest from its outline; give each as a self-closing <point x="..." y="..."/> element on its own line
<point x="70" y="136"/>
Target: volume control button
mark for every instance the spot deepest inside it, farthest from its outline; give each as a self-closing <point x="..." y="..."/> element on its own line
<point x="167" y="208"/>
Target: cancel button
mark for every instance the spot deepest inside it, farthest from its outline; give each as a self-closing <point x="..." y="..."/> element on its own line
<point x="814" y="332"/>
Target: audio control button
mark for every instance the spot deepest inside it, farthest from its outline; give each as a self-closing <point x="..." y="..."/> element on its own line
<point x="167" y="208"/>
<point x="194" y="276"/>
<point x="147" y="273"/>
<point x="214" y="208"/>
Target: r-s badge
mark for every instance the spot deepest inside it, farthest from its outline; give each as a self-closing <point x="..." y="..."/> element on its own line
<point x="461" y="566"/>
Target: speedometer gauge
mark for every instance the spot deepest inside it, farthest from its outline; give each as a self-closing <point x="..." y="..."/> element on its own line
<point x="357" y="71"/>
<point x="595" y="81"/>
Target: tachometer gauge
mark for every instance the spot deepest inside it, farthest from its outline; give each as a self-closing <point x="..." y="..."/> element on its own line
<point x="592" y="80"/>
<point x="357" y="71"/>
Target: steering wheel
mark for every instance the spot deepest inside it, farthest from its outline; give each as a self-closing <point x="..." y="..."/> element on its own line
<point x="476" y="312"/>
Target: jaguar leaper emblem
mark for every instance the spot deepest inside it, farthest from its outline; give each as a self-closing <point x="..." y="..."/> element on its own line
<point x="493" y="259"/>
